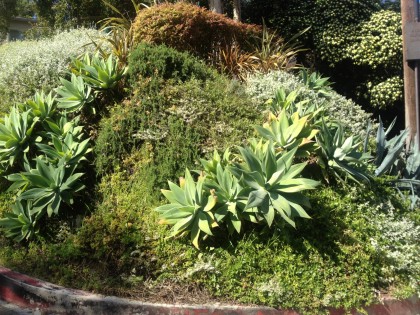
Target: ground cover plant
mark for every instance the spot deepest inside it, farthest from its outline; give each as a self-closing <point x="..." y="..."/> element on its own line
<point x="263" y="207"/>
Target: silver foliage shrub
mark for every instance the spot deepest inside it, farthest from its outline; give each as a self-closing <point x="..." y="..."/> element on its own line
<point x="26" y="66"/>
<point x="262" y="87"/>
<point x="398" y="240"/>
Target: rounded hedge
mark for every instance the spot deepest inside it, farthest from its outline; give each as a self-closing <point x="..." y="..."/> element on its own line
<point x="188" y="27"/>
<point x="149" y="60"/>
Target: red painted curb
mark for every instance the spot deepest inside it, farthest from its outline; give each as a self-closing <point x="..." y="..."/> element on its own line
<point x="33" y="293"/>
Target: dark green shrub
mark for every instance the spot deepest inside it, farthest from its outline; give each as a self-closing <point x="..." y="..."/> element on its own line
<point x="182" y="122"/>
<point x="188" y="27"/>
<point x="357" y="41"/>
<point x="149" y="60"/>
<point x="181" y="108"/>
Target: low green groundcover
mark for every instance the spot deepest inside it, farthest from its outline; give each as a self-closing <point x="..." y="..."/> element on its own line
<point x="344" y="256"/>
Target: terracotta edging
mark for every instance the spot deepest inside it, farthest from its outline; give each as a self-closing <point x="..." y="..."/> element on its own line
<point x="32" y="293"/>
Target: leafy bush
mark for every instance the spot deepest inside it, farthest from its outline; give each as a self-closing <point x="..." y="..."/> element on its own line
<point x="386" y="93"/>
<point x="183" y="121"/>
<point x="149" y="60"/>
<point x="188" y="27"/>
<point x="264" y="87"/>
<point x="122" y="221"/>
<point x="28" y="66"/>
<point x="355" y="41"/>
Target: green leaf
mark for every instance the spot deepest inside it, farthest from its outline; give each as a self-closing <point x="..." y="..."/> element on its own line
<point x="204" y="223"/>
<point x="256" y="198"/>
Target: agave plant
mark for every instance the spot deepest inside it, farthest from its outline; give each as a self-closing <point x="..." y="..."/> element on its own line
<point x="273" y="186"/>
<point x="190" y="208"/>
<point x="98" y="72"/>
<point x="288" y="132"/>
<point x="210" y="166"/>
<point x="16" y="131"/>
<point x="67" y="151"/>
<point x="388" y="152"/>
<point x="291" y="103"/>
<point x="21" y="223"/>
<point x="340" y="156"/>
<point x="410" y="180"/>
<point x="42" y="106"/>
<point x="231" y="199"/>
<point x="412" y="167"/>
<point x="47" y="186"/>
<point x="61" y="126"/>
<point x="74" y="94"/>
<point x="316" y="82"/>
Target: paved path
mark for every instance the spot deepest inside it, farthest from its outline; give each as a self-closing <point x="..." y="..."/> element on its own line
<point x="11" y="309"/>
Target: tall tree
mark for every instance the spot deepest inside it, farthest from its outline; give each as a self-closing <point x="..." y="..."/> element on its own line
<point x="72" y="13"/>
<point x="25" y="8"/>
<point x="7" y="10"/>
<point x="216" y="6"/>
<point x="237" y="10"/>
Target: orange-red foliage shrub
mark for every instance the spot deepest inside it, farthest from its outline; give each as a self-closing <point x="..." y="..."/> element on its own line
<point x="187" y="27"/>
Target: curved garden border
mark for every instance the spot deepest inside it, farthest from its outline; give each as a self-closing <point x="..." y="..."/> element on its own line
<point x="33" y="293"/>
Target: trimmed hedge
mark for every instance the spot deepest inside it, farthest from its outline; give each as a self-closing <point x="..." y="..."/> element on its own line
<point x="187" y="27"/>
<point x="149" y="60"/>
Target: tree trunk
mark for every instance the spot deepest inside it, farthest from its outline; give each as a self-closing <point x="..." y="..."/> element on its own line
<point x="237" y="10"/>
<point x="410" y="90"/>
<point x="216" y="6"/>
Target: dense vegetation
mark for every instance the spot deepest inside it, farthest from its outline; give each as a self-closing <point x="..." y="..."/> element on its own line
<point x="275" y="191"/>
<point x="357" y="41"/>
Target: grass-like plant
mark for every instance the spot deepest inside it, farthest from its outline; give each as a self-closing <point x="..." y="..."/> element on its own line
<point x="270" y="52"/>
<point x="274" y="53"/>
